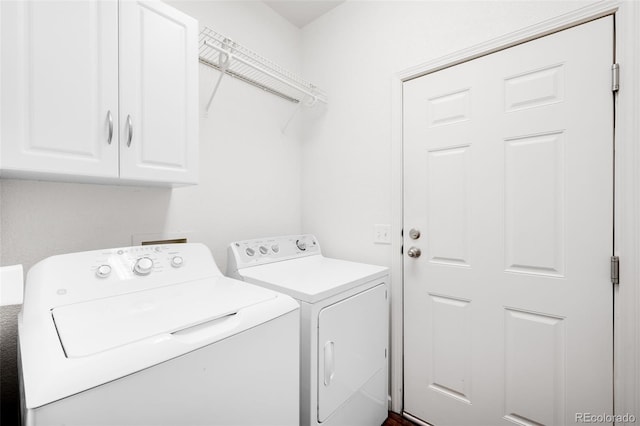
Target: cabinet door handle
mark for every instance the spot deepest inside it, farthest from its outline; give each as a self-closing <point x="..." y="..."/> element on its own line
<point x="110" y="118"/>
<point x="130" y="130"/>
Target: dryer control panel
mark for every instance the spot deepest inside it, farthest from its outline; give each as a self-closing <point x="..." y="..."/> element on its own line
<point x="247" y="253"/>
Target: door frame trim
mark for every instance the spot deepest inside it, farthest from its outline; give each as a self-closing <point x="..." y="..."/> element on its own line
<point x="627" y="190"/>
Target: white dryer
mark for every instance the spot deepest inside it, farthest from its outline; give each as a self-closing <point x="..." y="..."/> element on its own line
<point x="154" y="335"/>
<point x="344" y="325"/>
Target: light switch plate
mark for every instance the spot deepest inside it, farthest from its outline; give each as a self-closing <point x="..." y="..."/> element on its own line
<point x="382" y="234"/>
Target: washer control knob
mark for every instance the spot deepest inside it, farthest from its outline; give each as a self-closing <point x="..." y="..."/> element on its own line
<point x="250" y="251"/>
<point x="103" y="271"/>
<point x="264" y="250"/>
<point x="275" y="248"/>
<point x="301" y="245"/>
<point x="143" y="266"/>
<point x="177" y="261"/>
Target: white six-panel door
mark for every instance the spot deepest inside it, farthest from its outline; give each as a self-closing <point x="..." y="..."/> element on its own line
<point x="60" y="87"/>
<point x="508" y="174"/>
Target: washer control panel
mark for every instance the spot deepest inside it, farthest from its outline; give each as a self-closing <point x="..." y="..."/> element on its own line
<point x="139" y="261"/>
<point x="266" y="250"/>
<point x="76" y="277"/>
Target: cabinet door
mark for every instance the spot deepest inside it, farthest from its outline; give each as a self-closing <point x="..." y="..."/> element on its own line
<point x="59" y="88"/>
<point x="158" y="93"/>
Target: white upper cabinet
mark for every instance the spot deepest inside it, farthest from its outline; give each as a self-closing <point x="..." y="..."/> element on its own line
<point x="59" y="87"/>
<point x="80" y="77"/>
<point x="158" y="93"/>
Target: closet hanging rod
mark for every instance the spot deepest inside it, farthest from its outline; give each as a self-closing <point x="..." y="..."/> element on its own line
<point x="248" y="80"/>
<point x="314" y="96"/>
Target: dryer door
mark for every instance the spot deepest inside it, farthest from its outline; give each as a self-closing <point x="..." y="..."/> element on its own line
<point x="352" y="349"/>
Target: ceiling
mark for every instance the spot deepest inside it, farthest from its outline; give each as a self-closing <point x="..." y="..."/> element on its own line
<point x="301" y="12"/>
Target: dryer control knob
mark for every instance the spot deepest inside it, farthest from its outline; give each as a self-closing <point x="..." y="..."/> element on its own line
<point x="143" y="266"/>
<point x="301" y="245"/>
<point x="103" y="271"/>
<point x="275" y="248"/>
<point x="250" y="251"/>
<point x="177" y="261"/>
<point x="264" y="250"/>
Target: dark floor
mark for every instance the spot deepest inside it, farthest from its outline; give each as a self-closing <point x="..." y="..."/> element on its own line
<point x="397" y="420"/>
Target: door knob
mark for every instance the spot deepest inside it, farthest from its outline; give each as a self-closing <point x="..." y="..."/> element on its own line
<point x="414" y="252"/>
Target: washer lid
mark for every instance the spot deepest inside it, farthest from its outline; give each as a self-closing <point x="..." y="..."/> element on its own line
<point x="132" y="332"/>
<point x="312" y="278"/>
<point x="90" y="327"/>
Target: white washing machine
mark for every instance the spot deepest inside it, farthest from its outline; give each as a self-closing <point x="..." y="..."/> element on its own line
<point x="344" y="325"/>
<point x="154" y="335"/>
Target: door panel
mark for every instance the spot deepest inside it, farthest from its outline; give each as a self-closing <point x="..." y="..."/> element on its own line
<point x="534" y="354"/>
<point x="508" y="167"/>
<point x="534" y="204"/>
<point x="59" y="87"/>
<point x="447" y="198"/>
<point x="450" y="333"/>
<point x="158" y="93"/>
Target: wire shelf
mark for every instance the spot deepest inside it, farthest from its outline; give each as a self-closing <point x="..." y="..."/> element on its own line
<point x="231" y="58"/>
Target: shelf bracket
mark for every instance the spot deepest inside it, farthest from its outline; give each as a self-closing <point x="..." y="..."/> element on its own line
<point x="224" y="59"/>
<point x="308" y="101"/>
<point x="291" y="117"/>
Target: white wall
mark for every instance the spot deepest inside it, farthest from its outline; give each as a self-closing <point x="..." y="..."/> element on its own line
<point x="352" y="53"/>
<point x="249" y="176"/>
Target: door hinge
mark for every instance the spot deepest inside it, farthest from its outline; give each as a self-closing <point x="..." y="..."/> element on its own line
<point x="615" y="269"/>
<point x="615" y="77"/>
<point x="401" y="250"/>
